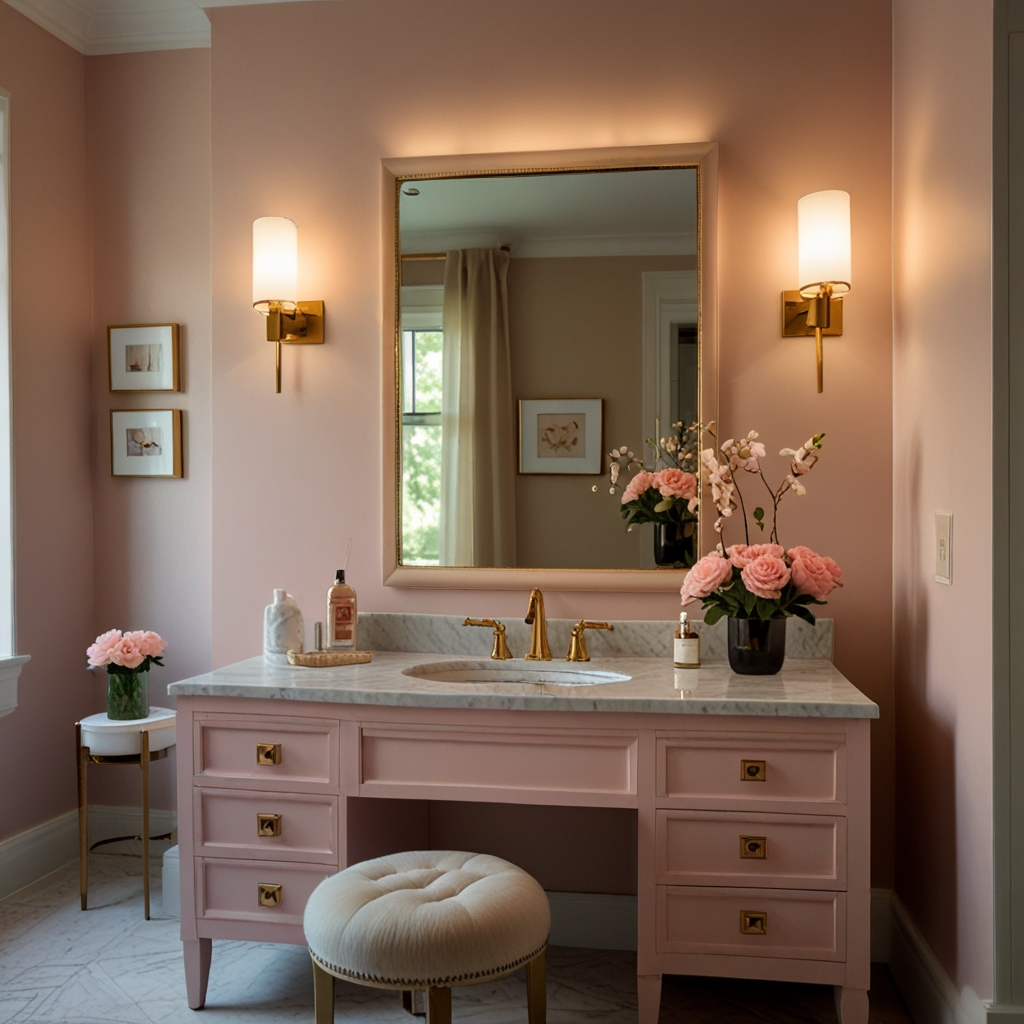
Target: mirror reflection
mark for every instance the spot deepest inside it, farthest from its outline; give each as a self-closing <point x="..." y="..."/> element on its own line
<point x="548" y="328"/>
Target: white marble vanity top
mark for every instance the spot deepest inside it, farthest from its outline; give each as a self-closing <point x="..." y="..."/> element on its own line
<point x="805" y="688"/>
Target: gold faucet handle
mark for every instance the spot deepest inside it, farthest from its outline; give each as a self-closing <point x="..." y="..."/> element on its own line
<point x="499" y="651"/>
<point x="577" y="642"/>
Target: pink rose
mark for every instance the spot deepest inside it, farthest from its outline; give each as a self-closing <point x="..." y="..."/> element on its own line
<point x="814" y="574"/>
<point x="741" y="555"/>
<point x="150" y="644"/>
<point x="706" y="577"/>
<point x="676" y="483"/>
<point x="640" y="483"/>
<point x="766" y="575"/>
<point x="100" y="652"/>
<point x="126" y="654"/>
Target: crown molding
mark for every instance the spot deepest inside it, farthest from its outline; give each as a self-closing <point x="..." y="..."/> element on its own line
<point x="68" y="20"/>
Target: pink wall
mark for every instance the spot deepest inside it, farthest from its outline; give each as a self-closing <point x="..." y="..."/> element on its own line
<point x="52" y="443"/>
<point x="149" y="196"/>
<point x="297" y="473"/>
<point x="942" y="416"/>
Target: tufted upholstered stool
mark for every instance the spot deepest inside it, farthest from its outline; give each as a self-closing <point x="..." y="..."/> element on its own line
<point x="429" y="920"/>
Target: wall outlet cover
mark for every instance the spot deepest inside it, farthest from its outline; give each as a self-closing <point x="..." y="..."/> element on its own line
<point x="944" y="547"/>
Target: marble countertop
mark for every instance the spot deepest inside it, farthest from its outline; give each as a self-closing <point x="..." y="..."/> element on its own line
<point x="805" y="688"/>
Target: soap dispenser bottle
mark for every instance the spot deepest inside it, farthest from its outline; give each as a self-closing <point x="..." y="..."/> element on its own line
<point x="341" y="615"/>
<point x="687" y="645"/>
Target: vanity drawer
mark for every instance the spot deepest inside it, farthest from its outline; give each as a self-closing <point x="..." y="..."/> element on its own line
<point x="788" y="851"/>
<point x="546" y="766"/>
<point x="787" y="923"/>
<point x="265" y="752"/>
<point x="241" y="890"/>
<point x="271" y="826"/>
<point x="752" y="768"/>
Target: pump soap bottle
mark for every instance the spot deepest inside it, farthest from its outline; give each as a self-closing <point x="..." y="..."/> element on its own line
<point x="341" y="615"/>
<point x="687" y="645"/>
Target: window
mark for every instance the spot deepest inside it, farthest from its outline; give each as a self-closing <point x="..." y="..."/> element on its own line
<point x="421" y="446"/>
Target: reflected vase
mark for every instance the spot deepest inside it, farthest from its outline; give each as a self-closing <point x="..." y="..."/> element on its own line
<point x="128" y="694"/>
<point x="675" y="544"/>
<point x="757" y="648"/>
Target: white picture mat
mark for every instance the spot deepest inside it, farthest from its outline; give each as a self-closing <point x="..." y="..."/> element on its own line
<point x="121" y="379"/>
<point x="142" y="465"/>
<point x="531" y="408"/>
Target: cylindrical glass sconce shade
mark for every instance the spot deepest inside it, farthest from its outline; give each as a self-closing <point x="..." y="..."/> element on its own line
<point x="275" y="260"/>
<point x="823" y="226"/>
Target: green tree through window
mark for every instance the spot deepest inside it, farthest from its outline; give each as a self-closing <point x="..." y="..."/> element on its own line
<point x="421" y="446"/>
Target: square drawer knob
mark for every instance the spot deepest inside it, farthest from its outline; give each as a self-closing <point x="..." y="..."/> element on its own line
<point x="268" y="753"/>
<point x="754" y="847"/>
<point x="753" y="771"/>
<point x="753" y="922"/>
<point x="269" y="894"/>
<point x="268" y="824"/>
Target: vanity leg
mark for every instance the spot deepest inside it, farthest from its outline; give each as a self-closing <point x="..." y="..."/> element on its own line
<point x="197" y="970"/>
<point x="323" y="995"/>
<point x="648" y="995"/>
<point x="439" y="1006"/>
<point x="414" y="1001"/>
<point x="851" y="1005"/>
<point x="536" y="989"/>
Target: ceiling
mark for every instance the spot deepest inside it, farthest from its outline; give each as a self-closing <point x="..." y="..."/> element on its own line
<point x="127" y="26"/>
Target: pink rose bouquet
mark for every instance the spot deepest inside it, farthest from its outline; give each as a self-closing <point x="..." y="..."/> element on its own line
<point x="758" y="581"/>
<point x="120" y="651"/>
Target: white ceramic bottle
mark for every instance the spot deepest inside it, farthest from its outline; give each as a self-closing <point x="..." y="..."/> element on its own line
<point x="687" y="645"/>
<point x="283" y="629"/>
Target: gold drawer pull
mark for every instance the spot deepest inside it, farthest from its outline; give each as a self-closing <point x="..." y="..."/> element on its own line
<point x="753" y="771"/>
<point x="268" y="824"/>
<point x="754" y="847"/>
<point x="270" y="894"/>
<point x="753" y="922"/>
<point x="268" y="753"/>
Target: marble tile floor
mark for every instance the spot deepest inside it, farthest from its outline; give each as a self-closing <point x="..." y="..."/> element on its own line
<point x="110" y="966"/>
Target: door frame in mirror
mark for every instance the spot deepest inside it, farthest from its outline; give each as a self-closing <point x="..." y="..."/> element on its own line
<point x="394" y="171"/>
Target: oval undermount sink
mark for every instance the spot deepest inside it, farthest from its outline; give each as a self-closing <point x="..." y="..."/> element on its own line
<point x="514" y="671"/>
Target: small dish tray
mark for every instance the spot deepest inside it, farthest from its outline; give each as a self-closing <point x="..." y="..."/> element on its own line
<point x="328" y="659"/>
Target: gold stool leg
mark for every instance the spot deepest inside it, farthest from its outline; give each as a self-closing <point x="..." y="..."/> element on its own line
<point x="323" y="995"/>
<point x="82" y="755"/>
<point x="439" y="1006"/>
<point x="536" y="988"/>
<point x="144" y="760"/>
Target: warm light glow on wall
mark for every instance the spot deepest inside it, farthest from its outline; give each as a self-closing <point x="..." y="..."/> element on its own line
<point x="823" y="229"/>
<point x="275" y="261"/>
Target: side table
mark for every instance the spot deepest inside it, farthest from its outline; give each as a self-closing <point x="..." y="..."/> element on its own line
<point x="103" y="740"/>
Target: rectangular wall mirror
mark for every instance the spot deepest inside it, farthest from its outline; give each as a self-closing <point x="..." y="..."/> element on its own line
<point x="547" y="308"/>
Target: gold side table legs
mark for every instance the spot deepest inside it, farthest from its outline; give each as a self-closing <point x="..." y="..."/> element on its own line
<point x="85" y="758"/>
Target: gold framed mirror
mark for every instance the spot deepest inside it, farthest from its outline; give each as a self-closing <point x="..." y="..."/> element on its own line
<point x="541" y="309"/>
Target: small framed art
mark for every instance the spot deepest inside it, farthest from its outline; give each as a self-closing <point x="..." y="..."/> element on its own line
<point x="145" y="442"/>
<point x="560" y="435"/>
<point x="143" y="357"/>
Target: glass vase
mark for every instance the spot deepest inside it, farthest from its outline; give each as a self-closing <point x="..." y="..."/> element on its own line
<point x="675" y="544"/>
<point x="757" y="648"/>
<point x="128" y="694"/>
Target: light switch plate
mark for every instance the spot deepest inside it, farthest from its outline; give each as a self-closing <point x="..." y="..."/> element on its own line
<point x="944" y="547"/>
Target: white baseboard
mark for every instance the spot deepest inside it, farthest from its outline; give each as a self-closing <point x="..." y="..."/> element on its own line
<point x="592" y="921"/>
<point x="30" y="855"/>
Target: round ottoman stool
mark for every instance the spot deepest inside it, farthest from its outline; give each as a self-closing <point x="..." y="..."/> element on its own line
<point x="429" y="920"/>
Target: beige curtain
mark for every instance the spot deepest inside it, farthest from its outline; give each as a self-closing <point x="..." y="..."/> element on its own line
<point x="478" y="442"/>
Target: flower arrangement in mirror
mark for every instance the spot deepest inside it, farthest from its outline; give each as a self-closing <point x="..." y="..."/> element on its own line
<point x="663" y="491"/>
<point x="758" y="586"/>
<point x="128" y="657"/>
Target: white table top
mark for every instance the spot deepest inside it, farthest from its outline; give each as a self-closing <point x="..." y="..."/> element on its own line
<point x="117" y="737"/>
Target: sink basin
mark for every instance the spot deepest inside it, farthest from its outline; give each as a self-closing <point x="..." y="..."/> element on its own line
<point x="515" y="671"/>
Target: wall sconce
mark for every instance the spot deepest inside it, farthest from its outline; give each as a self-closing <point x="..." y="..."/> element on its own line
<point x="823" y="226"/>
<point x="275" y="274"/>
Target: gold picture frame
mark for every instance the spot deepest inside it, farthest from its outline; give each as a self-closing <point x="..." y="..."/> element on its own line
<point x="146" y="443"/>
<point x="143" y="357"/>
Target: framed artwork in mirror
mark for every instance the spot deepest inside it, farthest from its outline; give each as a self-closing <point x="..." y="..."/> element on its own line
<point x="145" y="442"/>
<point x="143" y="357"/>
<point x="560" y="435"/>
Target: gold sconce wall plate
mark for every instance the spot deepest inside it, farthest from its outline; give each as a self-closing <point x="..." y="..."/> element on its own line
<point x="268" y="824"/>
<point x="269" y="894"/>
<point x="268" y="753"/>
<point x="304" y="327"/>
<point x="753" y="922"/>
<point x="794" y="317"/>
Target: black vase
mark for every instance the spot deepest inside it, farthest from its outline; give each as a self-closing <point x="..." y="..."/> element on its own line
<point x="757" y="648"/>
<point x="675" y="544"/>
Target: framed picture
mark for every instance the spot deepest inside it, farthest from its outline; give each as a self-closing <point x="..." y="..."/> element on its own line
<point x="145" y="442"/>
<point x="560" y="435"/>
<point x="143" y="357"/>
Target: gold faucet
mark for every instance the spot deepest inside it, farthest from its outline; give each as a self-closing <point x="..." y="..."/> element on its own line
<point x="539" y="650"/>
<point x="500" y="651"/>
<point x="577" y="644"/>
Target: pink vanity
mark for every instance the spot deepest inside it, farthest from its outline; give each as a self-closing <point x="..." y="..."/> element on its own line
<point x="752" y="797"/>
